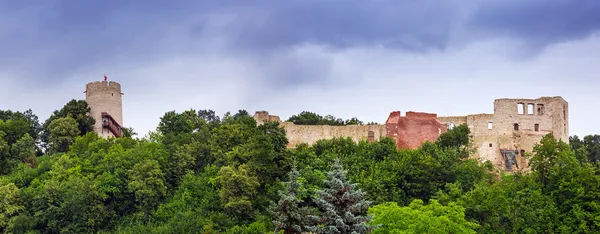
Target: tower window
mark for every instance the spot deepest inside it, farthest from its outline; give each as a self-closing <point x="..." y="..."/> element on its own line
<point x="540" y="109"/>
<point x="516" y="127"/>
<point x="490" y="144"/>
<point x="536" y="127"/>
<point x="490" y="125"/>
<point x="520" y="108"/>
<point x="530" y="108"/>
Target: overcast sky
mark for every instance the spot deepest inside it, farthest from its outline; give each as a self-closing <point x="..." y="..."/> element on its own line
<point x="346" y="58"/>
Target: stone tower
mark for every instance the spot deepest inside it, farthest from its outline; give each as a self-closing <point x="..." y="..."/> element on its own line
<point x="105" y="101"/>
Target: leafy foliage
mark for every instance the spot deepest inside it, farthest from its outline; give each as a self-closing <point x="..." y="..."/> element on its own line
<point x="63" y="132"/>
<point x="421" y="218"/>
<point x="310" y="118"/>
<point x="76" y="109"/>
<point x="203" y="173"/>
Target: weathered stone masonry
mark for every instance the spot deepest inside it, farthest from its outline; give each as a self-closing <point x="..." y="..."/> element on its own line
<point x="408" y="131"/>
<point x="414" y="129"/>
<point x="502" y="138"/>
<point x="514" y="128"/>
<point x="105" y="101"/>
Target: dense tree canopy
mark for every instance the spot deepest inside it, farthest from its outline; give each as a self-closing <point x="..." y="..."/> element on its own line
<point x="76" y="109"/>
<point x="203" y="173"/>
<point x="310" y="118"/>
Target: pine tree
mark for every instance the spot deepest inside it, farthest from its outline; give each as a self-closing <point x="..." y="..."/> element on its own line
<point x="287" y="214"/>
<point x="342" y="205"/>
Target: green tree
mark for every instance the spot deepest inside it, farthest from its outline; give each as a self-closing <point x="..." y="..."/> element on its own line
<point x="546" y="153"/>
<point x="310" y="118"/>
<point x="420" y="218"/>
<point x="14" y="129"/>
<point x="76" y="109"/>
<point x="63" y="132"/>
<point x="129" y="132"/>
<point x="288" y="214"/>
<point x="10" y="205"/>
<point x="148" y="184"/>
<point x="342" y="206"/>
<point x="515" y="204"/>
<point x="592" y="146"/>
<point x="238" y="189"/>
<point x="32" y="120"/>
<point x="5" y="156"/>
<point x="458" y="137"/>
<point x="24" y="149"/>
<point x="575" y="188"/>
<point x="210" y="117"/>
<point x="176" y="123"/>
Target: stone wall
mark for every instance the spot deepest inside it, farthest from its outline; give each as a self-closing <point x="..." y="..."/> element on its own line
<point x="310" y="134"/>
<point x="408" y="131"/>
<point x="414" y="129"/>
<point x="104" y="96"/>
<point x="516" y="125"/>
<point x="453" y="121"/>
<point x="264" y="116"/>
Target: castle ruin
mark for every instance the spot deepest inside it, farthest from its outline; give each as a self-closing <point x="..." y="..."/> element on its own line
<point x="514" y="129"/>
<point x="502" y="137"/>
<point x="105" y="101"/>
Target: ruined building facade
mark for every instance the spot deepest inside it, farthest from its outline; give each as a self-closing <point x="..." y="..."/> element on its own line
<point x="514" y="128"/>
<point x="105" y="101"/>
<point x="502" y="137"/>
<point x="409" y="131"/>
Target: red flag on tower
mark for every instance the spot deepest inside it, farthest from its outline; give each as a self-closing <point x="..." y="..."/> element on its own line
<point x="105" y="77"/>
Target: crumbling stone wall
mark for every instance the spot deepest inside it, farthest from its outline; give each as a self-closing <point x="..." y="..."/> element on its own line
<point x="264" y="116"/>
<point x="414" y="129"/>
<point x="408" y="131"/>
<point x="516" y="125"/>
<point x="452" y="121"/>
<point x="104" y="96"/>
<point x="312" y="133"/>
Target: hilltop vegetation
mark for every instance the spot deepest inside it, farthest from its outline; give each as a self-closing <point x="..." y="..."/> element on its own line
<point x="202" y="173"/>
<point x="310" y="118"/>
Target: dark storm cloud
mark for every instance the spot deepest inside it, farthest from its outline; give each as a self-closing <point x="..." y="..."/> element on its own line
<point x="413" y="25"/>
<point x="55" y="38"/>
<point x="364" y="56"/>
<point x="58" y="37"/>
<point x="538" y="22"/>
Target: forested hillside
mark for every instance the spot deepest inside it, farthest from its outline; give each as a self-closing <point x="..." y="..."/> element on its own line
<point x="203" y="173"/>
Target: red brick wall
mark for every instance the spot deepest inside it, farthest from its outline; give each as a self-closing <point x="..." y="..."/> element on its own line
<point x="412" y="130"/>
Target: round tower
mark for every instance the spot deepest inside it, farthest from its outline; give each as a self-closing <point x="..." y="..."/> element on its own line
<point x="105" y="101"/>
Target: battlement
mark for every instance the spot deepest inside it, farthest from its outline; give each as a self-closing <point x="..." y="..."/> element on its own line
<point x="103" y="86"/>
<point x="412" y="114"/>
